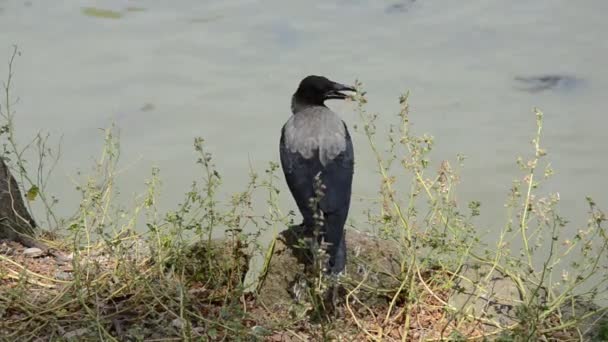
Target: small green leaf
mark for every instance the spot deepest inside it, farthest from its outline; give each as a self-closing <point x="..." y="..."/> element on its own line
<point x="32" y="193"/>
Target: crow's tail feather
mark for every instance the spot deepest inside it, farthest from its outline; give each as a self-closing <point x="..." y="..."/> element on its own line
<point x="334" y="237"/>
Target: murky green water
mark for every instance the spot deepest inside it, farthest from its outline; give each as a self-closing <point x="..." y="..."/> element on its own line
<point x="169" y="71"/>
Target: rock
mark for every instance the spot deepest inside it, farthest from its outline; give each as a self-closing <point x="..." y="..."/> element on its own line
<point x="62" y="275"/>
<point x="368" y="256"/>
<point x="61" y="259"/>
<point x="33" y="252"/>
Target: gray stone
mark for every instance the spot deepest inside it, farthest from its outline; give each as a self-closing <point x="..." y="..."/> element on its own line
<point x="61" y="275"/>
<point x="33" y="252"/>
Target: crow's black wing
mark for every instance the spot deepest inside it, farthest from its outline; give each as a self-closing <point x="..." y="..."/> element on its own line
<point x="299" y="175"/>
<point x="337" y="176"/>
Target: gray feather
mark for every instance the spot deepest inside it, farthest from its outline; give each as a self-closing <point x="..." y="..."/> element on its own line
<point x="315" y="128"/>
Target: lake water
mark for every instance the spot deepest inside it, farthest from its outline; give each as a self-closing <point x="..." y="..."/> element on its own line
<point x="167" y="72"/>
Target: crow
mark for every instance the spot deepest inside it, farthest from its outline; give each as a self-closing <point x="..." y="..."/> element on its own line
<point x="315" y="144"/>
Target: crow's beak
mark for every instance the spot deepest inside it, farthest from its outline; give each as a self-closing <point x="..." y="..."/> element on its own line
<point x="335" y="93"/>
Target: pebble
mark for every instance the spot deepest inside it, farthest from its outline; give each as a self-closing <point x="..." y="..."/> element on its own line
<point x="178" y="323"/>
<point x="63" y="259"/>
<point x="62" y="275"/>
<point x="32" y="252"/>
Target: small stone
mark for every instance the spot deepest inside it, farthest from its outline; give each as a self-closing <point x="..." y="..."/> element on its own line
<point x="32" y="252"/>
<point x="61" y="259"/>
<point x="61" y="275"/>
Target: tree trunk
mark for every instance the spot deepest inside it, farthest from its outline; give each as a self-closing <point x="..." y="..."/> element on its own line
<point x="16" y="223"/>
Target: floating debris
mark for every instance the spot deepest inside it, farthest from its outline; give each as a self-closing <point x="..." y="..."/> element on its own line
<point x="147" y="107"/>
<point x="399" y="7"/>
<point x="540" y="83"/>
<point x="101" y="13"/>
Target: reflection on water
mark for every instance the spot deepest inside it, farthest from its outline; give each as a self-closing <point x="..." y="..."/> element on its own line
<point x="226" y="71"/>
